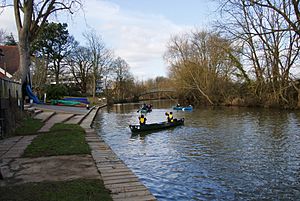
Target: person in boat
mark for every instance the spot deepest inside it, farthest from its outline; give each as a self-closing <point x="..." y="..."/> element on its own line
<point x="170" y="117"/>
<point x="144" y="107"/>
<point x="178" y="105"/>
<point x="142" y="120"/>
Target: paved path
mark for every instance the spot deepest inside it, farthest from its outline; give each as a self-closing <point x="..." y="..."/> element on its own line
<point x="53" y="168"/>
<point x="61" y="109"/>
<point x="14" y="147"/>
<point x="117" y="177"/>
<point x="57" y="118"/>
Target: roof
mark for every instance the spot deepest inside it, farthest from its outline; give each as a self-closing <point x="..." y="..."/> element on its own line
<point x="4" y="74"/>
<point x="10" y="61"/>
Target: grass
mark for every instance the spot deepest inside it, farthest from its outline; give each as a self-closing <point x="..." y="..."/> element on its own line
<point x="77" y="190"/>
<point x="63" y="139"/>
<point x="29" y="126"/>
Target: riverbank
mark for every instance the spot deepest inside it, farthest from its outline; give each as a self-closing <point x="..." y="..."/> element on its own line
<point x="97" y="169"/>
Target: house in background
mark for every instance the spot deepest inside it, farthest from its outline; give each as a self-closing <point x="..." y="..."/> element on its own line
<point x="11" y="101"/>
<point x="9" y="62"/>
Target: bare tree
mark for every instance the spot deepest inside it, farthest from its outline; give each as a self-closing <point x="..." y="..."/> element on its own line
<point x="289" y="10"/>
<point x="80" y="62"/>
<point x="101" y="59"/>
<point x="200" y="64"/>
<point x="30" y="15"/>
<point x="2" y="36"/>
<point x="123" y="78"/>
<point x="39" y="75"/>
<point x="270" y="43"/>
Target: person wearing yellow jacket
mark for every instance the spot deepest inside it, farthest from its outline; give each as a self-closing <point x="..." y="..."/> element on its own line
<point x="142" y="120"/>
<point x="170" y="117"/>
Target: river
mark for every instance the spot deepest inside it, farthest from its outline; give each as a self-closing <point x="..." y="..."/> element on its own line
<point x="219" y="154"/>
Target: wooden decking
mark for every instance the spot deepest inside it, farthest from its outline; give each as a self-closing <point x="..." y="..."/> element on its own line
<point x="117" y="177"/>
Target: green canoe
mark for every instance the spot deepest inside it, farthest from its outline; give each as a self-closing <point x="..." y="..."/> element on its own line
<point x="156" y="126"/>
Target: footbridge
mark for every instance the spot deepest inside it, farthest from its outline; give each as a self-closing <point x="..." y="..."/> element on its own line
<point x="165" y="91"/>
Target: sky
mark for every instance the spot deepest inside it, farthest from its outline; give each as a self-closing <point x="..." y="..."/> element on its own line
<point x="136" y="30"/>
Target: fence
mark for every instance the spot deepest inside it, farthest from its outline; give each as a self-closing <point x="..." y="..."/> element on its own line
<point x="10" y="106"/>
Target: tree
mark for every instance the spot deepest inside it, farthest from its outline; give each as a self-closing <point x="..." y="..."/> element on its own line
<point x="101" y="59"/>
<point x="10" y="40"/>
<point x="80" y="62"/>
<point x="200" y="65"/>
<point x="123" y="78"/>
<point x="268" y="34"/>
<point x="54" y="44"/>
<point x="289" y="10"/>
<point x="2" y="36"/>
<point x="30" y="16"/>
<point x="39" y="75"/>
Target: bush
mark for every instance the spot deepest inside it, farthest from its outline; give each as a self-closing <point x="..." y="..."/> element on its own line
<point x="56" y="91"/>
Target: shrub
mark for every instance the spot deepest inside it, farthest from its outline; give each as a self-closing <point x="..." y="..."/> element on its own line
<point x="56" y="91"/>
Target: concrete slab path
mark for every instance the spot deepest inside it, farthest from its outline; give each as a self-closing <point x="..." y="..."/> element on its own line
<point x="75" y="119"/>
<point x="103" y="163"/>
<point x="44" y="116"/>
<point x="57" y="118"/>
<point x="14" y="147"/>
<point x="53" y="168"/>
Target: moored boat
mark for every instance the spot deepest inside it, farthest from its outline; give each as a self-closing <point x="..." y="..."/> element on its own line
<point x="143" y="110"/>
<point x="156" y="126"/>
<point x="188" y="108"/>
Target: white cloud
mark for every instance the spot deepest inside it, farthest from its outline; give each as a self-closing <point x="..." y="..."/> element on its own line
<point x="137" y="37"/>
<point x="7" y="21"/>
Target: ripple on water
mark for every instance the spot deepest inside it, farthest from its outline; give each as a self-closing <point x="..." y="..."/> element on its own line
<point x="220" y="154"/>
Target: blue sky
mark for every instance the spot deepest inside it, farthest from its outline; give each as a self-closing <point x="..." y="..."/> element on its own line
<point x="137" y="30"/>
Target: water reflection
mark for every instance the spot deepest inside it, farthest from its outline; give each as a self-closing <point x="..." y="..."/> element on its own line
<point x="220" y="153"/>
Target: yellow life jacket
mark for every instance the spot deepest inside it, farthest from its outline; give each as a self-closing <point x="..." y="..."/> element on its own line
<point x="142" y="120"/>
<point x="171" y="118"/>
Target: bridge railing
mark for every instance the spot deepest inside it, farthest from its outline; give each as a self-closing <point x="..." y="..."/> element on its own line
<point x="158" y="90"/>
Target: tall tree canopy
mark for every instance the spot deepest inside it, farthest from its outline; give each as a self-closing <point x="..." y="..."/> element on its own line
<point x="30" y="16"/>
<point x="268" y="34"/>
<point x="54" y="44"/>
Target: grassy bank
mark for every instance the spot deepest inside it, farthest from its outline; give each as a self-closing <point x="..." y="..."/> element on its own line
<point x="77" y="190"/>
<point x="29" y="126"/>
<point x="63" y="139"/>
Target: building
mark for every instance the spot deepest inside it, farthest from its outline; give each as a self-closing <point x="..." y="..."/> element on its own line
<point x="10" y="91"/>
<point x="9" y="61"/>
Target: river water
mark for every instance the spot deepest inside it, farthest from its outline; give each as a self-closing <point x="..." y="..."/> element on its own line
<point x="219" y="154"/>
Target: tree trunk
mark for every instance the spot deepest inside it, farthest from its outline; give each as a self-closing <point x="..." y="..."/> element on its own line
<point x="56" y="78"/>
<point x="94" y="88"/>
<point x="298" y="105"/>
<point x="24" y="52"/>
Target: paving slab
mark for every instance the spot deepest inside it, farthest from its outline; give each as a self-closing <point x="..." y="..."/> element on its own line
<point x="87" y="121"/>
<point x="14" y="147"/>
<point x="44" y="116"/>
<point x="75" y="119"/>
<point x="54" y="168"/>
<point x="61" y="109"/>
<point x="57" y="118"/>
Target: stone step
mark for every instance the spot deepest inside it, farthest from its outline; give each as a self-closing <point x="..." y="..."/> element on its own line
<point x="37" y="111"/>
<point x="44" y="116"/>
<point x="57" y="118"/>
<point x="75" y="119"/>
